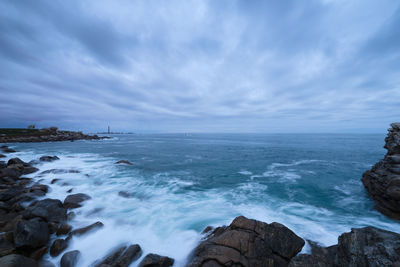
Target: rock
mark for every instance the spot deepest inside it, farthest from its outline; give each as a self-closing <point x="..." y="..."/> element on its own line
<point x="15" y="260"/>
<point x="9" y="193"/>
<point x="368" y="246"/>
<point x="64" y="229"/>
<point x="86" y="229"/>
<point x="69" y="190"/>
<point x="39" y="253"/>
<point x="247" y="242"/>
<point x="49" y="158"/>
<point x="2" y="156"/>
<point x="33" y="233"/>
<point x="59" y="171"/>
<point x="51" y="210"/>
<point x="9" y="150"/>
<point x="122" y="256"/>
<point x="75" y="200"/>
<point x="46" y="263"/>
<point x="154" y="260"/>
<point x="54" y="180"/>
<point x="70" y="259"/>
<point x="21" y="166"/>
<point x="58" y="246"/>
<point x="124" y="162"/>
<point x="14" y="161"/>
<point x="6" y="247"/>
<point x="124" y="194"/>
<point x="10" y="172"/>
<point x="40" y="187"/>
<point x="382" y="182"/>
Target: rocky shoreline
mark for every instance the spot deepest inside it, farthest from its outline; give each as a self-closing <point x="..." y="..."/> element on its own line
<point x="32" y="226"/>
<point x="382" y="182"/>
<point x="51" y="134"/>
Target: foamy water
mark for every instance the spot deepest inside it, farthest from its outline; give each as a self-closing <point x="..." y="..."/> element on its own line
<point x="179" y="185"/>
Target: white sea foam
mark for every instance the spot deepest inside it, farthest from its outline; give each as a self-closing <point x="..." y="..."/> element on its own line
<point x="167" y="220"/>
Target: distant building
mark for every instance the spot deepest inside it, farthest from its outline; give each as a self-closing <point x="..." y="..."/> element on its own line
<point x="32" y="126"/>
<point x="108" y="130"/>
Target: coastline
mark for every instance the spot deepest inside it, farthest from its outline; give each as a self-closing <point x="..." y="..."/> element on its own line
<point x="325" y="255"/>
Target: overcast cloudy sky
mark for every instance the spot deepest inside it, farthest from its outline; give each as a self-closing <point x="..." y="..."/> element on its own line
<point x="201" y="66"/>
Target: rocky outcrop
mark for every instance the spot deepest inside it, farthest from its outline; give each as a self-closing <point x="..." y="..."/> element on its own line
<point x="383" y="181"/>
<point x="368" y="246"/>
<point x="247" y="242"/>
<point x="43" y="135"/>
<point x="122" y="256"/>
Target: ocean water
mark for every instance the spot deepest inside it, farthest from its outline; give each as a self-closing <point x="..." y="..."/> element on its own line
<point x="179" y="184"/>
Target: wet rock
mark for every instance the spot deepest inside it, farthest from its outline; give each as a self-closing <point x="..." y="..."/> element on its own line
<point x="319" y="257"/>
<point x="53" y="227"/>
<point x="51" y="210"/>
<point x="39" y="253"/>
<point x="69" y="190"/>
<point x="247" y="242"/>
<point x="124" y="162"/>
<point x="70" y="259"/>
<point x="21" y="166"/>
<point x="132" y="253"/>
<point x="71" y="215"/>
<point x="33" y="233"/>
<point x="9" y="193"/>
<point x="40" y="187"/>
<point x="124" y="194"/>
<point x="59" y="171"/>
<point x="49" y="158"/>
<point x="154" y="260"/>
<point x="64" y="229"/>
<point x="54" y="180"/>
<point x="122" y="256"/>
<point x="6" y="247"/>
<point x="45" y="263"/>
<point x="382" y="182"/>
<point x="15" y="260"/>
<point x="75" y="200"/>
<point x="58" y="246"/>
<point x="10" y="172"/>
<point x="86" y="229"/>
<point x="9" y="150"/>
<point x="2" y="156"/>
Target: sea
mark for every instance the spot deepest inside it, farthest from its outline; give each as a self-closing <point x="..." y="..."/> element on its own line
<point x="180" y="183"/>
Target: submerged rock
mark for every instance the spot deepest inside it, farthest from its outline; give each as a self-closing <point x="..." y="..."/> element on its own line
<point x="58" y="246"/>
<point x="86" y="229"/>
<point x="70" y="259"/>
<point x="59" y="171"/>
<point x="124" y="162"/>
<point x="247" y="242"/>
<point x="383" y="181"/>
<point x="75" y="200"/>
<point x="154" y="260"/>
<point x="49" y="158"/>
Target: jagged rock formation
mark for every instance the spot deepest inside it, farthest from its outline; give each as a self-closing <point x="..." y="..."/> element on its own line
<point x="368" y="246"/>
<point x="383" y="180"/>
<point x="247" y="242"/>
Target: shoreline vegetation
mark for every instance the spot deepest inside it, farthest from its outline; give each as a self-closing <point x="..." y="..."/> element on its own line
<point x="31" y="228"/>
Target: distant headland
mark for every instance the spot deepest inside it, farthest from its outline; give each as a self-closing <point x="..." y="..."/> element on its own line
<point x="51" y="134"/>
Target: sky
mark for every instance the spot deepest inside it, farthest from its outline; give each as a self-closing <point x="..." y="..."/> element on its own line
<point x="201" y="66"/>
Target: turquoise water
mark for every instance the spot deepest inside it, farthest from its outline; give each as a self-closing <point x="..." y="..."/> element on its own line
<point x="180" y="183"/>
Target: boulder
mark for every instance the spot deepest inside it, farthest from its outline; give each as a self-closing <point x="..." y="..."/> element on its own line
<point x="8" y="150"/>
<point x="86" y="229"/>
<point x="16" y="260"/>
<point x="39" y="253"/>
<point x="64" y="229"/>
<point x="48" y="158"/>
<point x="2" y="156"/>
<point x="33" y="233"/>
<point x="247" y="242"/>
<point x="57" y="247"/>
<point x="154" y="260"/>
<point x="382" y="181"/>
<point x="368" y="246"/>
<point x="51" y="210"/>
<point x="74" y="201"/>
<point x="121" y="256"/>
<point x="70" y="259"/>
<point x="6" y="247"/>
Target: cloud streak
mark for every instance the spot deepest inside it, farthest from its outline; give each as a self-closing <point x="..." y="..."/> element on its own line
<point x="203" y="66"/>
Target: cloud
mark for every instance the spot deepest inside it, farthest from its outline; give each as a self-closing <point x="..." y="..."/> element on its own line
<point x="209" y="66"/>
